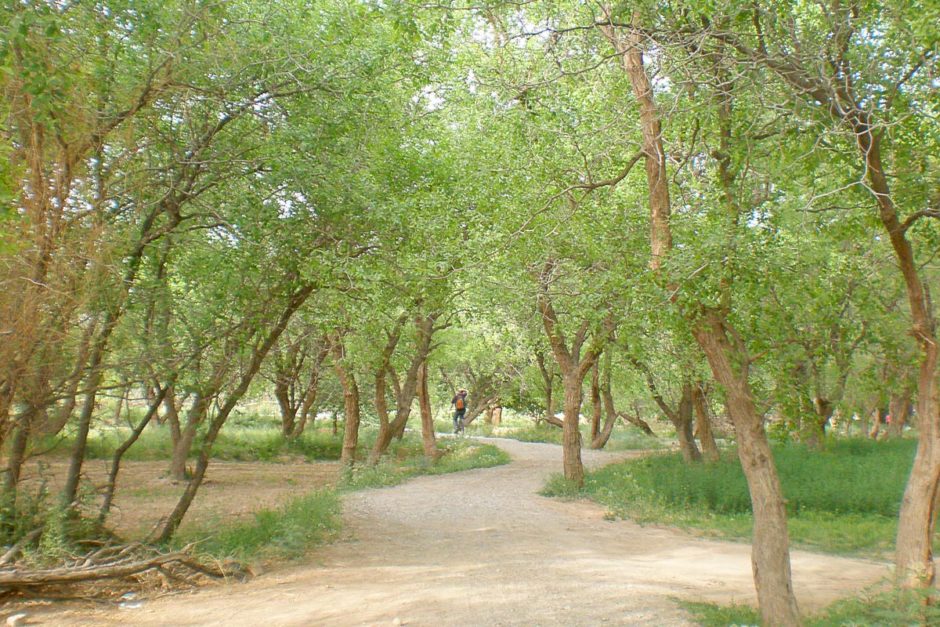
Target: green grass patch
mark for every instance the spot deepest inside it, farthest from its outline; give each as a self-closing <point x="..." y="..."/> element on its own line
<point x="287" y="532"/>
<point x="265" y="445"/>
<point x="633" y="439"/>
<point x="714" y="615"/>
<point x="895" y="607"/>
<point x="405" y="459"/>
<point x="622" y="439"/>
<point x="844" y="499"/>
<point x="232" y="444"/>
<point x="530" y="432"/>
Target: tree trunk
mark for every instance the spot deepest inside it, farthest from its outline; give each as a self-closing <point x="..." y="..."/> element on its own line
<point x="350" y="404"/>
<point x="704" y="425"/>
<point x="571" y="434"/>
<point x="815" y="432"/>
<point x="770" y="557"/>
<point x="11" y="479"/>
<point x="899" y="409"/>
<point x="770" y="554"/>
<point x="548" y="380"/>
<point x="427" y="419"/>
<point x="595" y="403"/>
<point x="573" y="368"/>
<point x="914" y="559"/>
<point x="70" y="491"/>
<point x="171" y="415"/>
<point x="381" y="410"/>
<point x="287" y="407"/>
<point x="310" y="394"/>
<point x="682" y="421"/>
<point x="600" y="441"/>
<point x="123" y="448"/>
<point x="681" y="417"/>
<point x="408" y="390"/>
<point x="194" y="417"/>
<point x="121" y="400"/>
<point x="497" y="415"/>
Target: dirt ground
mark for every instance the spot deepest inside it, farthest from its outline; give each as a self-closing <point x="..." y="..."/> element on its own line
<point x="482" y="548"/>
<point x="231" y="490"/>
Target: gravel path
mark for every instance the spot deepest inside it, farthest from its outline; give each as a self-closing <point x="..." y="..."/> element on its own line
<point x="482" y="548"/>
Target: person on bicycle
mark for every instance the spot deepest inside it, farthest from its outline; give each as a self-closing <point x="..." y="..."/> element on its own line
<point x="459" y="403"/>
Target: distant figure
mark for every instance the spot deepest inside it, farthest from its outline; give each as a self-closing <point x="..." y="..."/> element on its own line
<point x="459" y="403"/>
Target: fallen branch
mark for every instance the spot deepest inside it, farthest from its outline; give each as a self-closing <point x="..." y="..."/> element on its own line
<point x="112" y="570"/>
<point x="14" y="550"/>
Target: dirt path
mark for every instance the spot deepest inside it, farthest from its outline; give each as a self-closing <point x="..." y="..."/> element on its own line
<point x="482" y="548"/>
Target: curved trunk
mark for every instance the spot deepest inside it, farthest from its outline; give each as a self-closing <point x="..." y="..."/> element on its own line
<point x="600" y="441"/>
<point x="77" y="458"/>
<point x="181" y="449"/>
<point x="703" y="426"/>
<point x="770" y="557"/>
<point x="381" y="410"/>
<point x="123" y="448"/>
<point x="682" y="420"/>
<point x="175" y="518"/>
<point x="914" y="559"/>
<point x="408" y="389"/>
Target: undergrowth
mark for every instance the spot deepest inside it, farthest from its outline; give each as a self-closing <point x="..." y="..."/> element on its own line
<point x="405" y="459"/>
<point x="235" y="444"/>
<point x="894" y="607"/>
<point x="285" y="533"/>
<point x="844" y="499"/>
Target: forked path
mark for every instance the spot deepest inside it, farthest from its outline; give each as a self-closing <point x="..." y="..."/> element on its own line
<point x="482" y="548"/>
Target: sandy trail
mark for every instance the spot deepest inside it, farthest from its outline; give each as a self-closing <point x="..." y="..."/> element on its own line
<point x="482" y="548"/>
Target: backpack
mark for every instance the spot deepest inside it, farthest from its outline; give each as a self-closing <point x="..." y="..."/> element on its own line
<point x="461" y="402"/>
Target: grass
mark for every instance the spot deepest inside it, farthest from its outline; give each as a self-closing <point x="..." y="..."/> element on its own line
<point x="285" y="533"/>
<point x="714" y="615"/>
<point x="526" y="430"/>
<point x="895" y="607"/>
<point x="841" y="500"/>
<point x="233" y="444"/>
<point x="405" y="459"/>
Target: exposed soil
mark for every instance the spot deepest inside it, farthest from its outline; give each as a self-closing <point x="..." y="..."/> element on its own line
<point x="231" y="490"/>
<point x="482" y="548"/>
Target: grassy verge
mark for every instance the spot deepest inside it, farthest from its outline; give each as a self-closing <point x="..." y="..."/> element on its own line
<point x="285" y="533"/>
<point x="622" y="439"/>
<point x="841" y="500"/>
<point x="405" y="459"/>
<point x="235" y="444"/>
<point x="896" y="607"/>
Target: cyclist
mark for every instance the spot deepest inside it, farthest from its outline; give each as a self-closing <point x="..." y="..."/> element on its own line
<point x="459" y="403"/>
